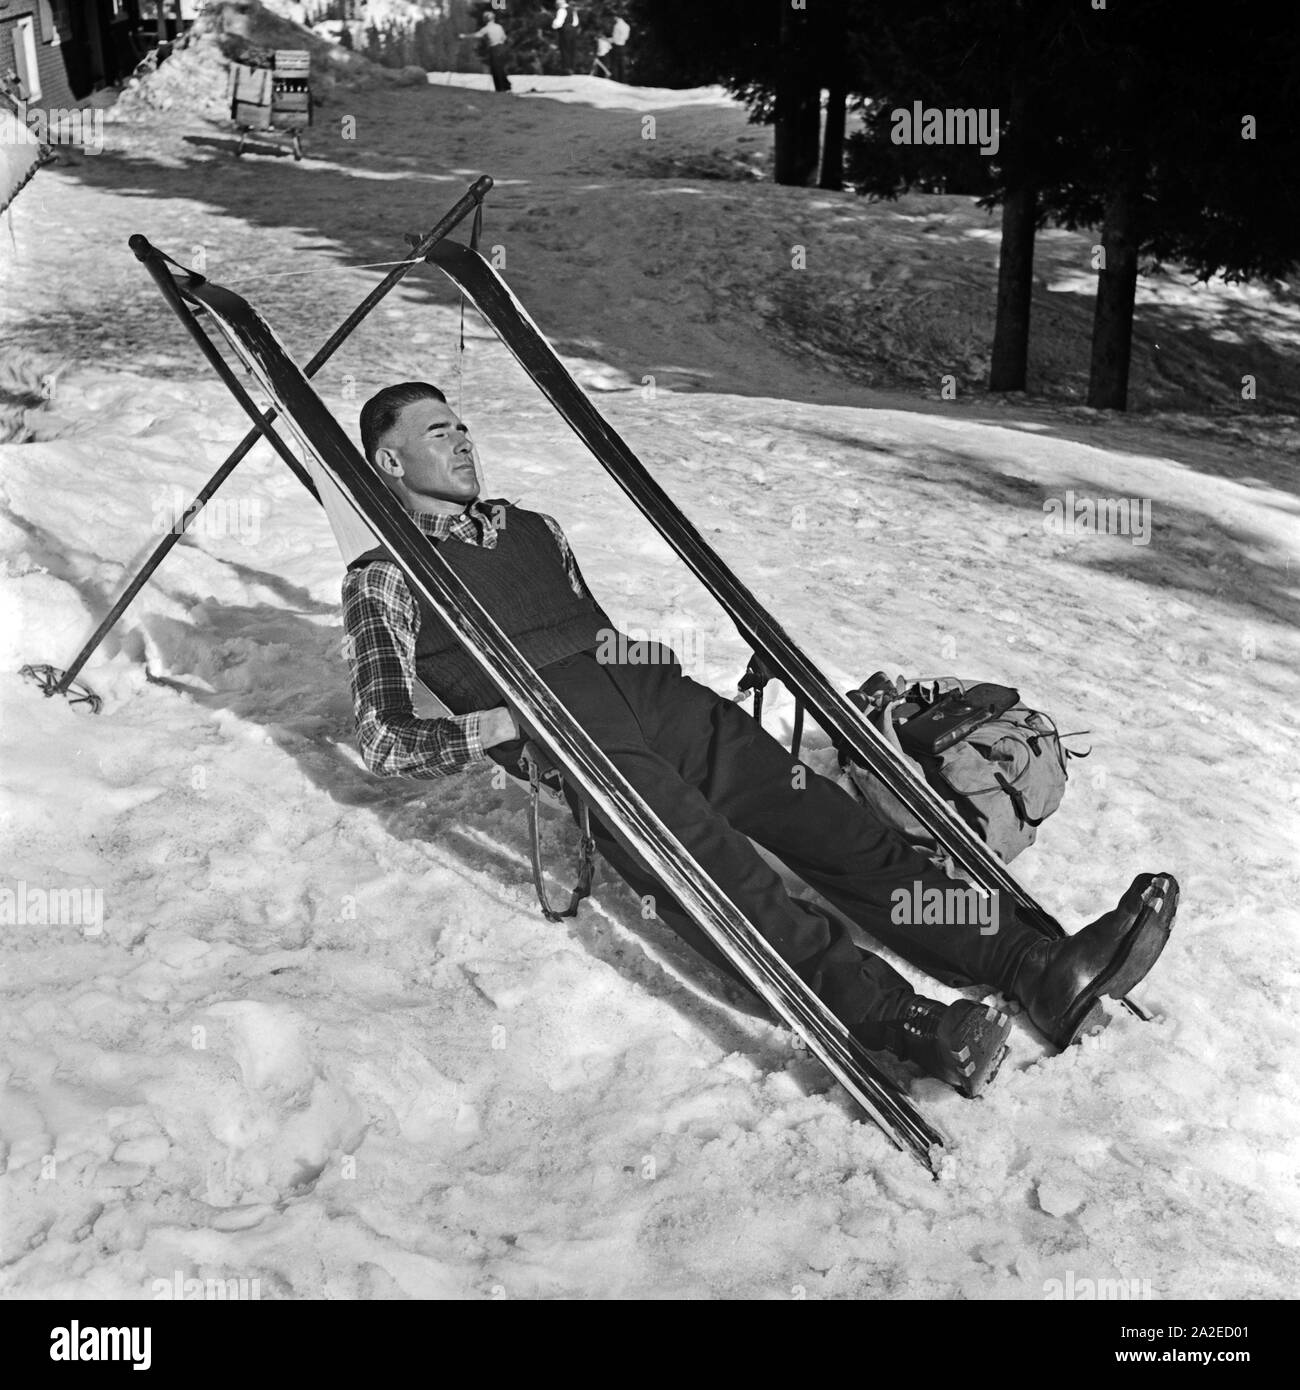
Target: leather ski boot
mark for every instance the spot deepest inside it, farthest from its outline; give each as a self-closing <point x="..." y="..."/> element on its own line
<point x="962" y="1043"/>
<point x="1060" y="983"/>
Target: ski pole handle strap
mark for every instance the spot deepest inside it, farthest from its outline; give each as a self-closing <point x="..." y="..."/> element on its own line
<point x="586" y="845"/>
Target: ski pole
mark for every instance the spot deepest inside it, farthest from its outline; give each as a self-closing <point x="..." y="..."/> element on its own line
<point x="54" y="682"/>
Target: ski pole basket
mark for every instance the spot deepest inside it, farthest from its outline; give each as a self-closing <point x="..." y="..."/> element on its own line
<point x="273" y="100"/>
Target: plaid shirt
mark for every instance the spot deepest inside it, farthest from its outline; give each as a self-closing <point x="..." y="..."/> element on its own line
<point x="381" y="619"/>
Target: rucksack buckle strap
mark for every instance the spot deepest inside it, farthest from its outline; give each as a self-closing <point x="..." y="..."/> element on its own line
<point x="1018" y="801"/>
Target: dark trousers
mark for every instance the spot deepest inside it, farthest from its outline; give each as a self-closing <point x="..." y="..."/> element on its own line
<point x="616" y="62"/>
<point x="718" y="780"/>
<point x="497" y="66"/>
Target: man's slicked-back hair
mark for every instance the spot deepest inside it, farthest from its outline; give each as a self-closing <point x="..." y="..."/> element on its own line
<point x="380" y="412"/>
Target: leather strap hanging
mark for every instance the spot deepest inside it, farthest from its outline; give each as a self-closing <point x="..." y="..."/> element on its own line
<point x="586" y="846"/>
<point x="757" y="674"/>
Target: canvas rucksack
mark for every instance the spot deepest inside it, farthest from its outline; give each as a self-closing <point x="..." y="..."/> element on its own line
<point x="1003" y="778"/>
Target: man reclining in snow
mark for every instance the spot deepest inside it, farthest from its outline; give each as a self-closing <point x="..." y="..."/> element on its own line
<point x="705" y="766"/>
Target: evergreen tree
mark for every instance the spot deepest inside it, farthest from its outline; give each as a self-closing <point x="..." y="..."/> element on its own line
<point x="776" y="55"/>
<point x="1177" y="140"/>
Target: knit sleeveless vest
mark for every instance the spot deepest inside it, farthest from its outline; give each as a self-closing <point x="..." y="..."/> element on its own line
<point x="523" y="584"/>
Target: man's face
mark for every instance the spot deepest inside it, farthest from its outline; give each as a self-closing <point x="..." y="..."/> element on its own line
<point x="429" y="451"/>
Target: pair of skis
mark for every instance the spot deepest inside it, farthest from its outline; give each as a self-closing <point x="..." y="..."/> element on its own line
<point x="630" y="818"/>
<point x="632" y="821"/>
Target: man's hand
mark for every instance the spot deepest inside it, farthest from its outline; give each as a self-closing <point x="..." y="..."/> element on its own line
<point x="498" y="726"/>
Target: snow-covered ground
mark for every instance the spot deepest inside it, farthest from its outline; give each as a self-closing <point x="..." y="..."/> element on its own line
<point x="319" y="1036"/>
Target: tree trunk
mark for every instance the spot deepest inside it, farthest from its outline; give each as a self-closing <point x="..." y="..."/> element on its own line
<point x="798" y="132"/>
<point x="810" y="130"/>
<point x="1010" y="364"/>
<point x="798" y="103"/>
<point x="832" y="173"/>
<point x="1121" y="237"/>
<point x="1112" y="325"/>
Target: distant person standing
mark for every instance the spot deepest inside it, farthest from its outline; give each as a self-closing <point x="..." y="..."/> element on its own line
<point x="560" y="19"/>
<point x="618" y="37"/>
<point x="565" y="26"/>
<point x="495" y="38"/>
